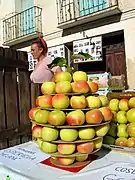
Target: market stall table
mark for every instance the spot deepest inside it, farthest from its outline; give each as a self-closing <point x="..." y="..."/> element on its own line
<point x="23" y="162"/>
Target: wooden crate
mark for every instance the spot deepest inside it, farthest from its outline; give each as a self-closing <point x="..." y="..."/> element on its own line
<point x="15" y="98"/>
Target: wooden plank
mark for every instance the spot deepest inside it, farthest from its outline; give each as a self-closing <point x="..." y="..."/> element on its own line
<point x="35" y="92"/>
<point x="11" y="95"/>
<point x="2" y="108"/>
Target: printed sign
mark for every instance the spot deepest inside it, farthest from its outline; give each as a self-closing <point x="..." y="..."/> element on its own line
<point x="56" y="51"/>
<point x="92" y="46"/>
<point x="32" y="62"/>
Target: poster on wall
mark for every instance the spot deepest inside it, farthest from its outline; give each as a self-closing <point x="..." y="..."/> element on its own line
<point x="92" y="46"/>
<point x="56" y="51"/>
<point x="32" y="62"/>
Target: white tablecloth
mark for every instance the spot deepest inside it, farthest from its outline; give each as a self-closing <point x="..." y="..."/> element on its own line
<point x="23" y="163"/>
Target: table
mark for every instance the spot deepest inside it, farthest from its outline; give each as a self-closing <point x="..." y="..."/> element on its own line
<point x="22" y="162"/>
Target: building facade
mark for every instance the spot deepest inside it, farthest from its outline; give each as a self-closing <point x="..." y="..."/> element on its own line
<point x="64" y="21"/>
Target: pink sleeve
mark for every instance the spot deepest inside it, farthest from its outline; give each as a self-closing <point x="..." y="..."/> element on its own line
<point x="41" y="75"/>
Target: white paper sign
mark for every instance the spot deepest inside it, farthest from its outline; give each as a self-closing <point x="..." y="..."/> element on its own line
<point x="32" y="62"/>
<point x="56" y="51"/>
<point x="26" y="157"/>
<point x="92" y="46"/>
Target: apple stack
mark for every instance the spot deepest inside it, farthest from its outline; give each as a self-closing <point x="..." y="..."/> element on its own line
<point x="122" y="129"/>
<point x="70" y="120"/>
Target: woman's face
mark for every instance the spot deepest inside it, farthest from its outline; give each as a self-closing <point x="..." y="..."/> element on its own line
<point x="36" y="51"/>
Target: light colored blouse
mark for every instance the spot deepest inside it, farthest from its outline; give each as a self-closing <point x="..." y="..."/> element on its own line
<point x="41" y="72"/>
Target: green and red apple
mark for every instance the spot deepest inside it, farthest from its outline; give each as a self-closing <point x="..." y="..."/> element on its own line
<point x="68" y="135"/>
<point x="76" y="117"/>
<point x="78" y="102"/>
<point x="93" y="86"/>
<point x="98" y="143"/>
<point x="102" y="130"/>
<point x="87" y="133"/>
<point x="85" y="148"/>
<point x="45" y="101"/>
<point x="48" y="87"/>
<point x="104" y="100"/>
<point x="80" y="87"/>
<point x="131" y="102"/>
<point x="49" y="134"/>
<point x="82" y="158"/>
<point x="32" y="113"/>
<point x="131" y="142"/>
<point x="56" y="117"/>
<point x="121" y="117"/>
<point x="41" y="116"/>
<point x="48" y="147"/>
<point x="123" y="105"/>
<point x="131" y="129"/>
<point x="60" y="101"/>
<point x="114" y="104"/>
<point x="131" y="115"/>
<point x="66" y="161"/>
<point x="94" y="116"/>
<point x="93" y="102"/>
<point x="80" y="76"/>
<point x="66" y="149"/>
<point x="62" y="76"/>
<point x="107" y="113"/>
<point x="121" y="141"/>
<point x="63" y="87"/>
<point x="36" y="131"/>
<point x="122" y="130"/>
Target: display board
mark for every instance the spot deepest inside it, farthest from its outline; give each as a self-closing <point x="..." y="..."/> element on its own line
<point x="56" y="51"/>
<point x="92" y="46"/>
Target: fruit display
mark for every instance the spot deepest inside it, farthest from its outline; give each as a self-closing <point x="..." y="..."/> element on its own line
<point x="122" y="127"/>
<point x="70" y="119"/>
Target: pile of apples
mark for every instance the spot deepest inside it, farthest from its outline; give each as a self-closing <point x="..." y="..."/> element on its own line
<point x="122" y="128"/>
<point x="53" y="110"/>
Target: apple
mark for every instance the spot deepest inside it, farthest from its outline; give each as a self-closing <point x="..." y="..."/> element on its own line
<point x="80" y="87"/>
<point x="123" y="105"/>
<point x="48" y="88"/>
<point x="121" y="117"/>
<point x="68" y="135"/>
<point x="109" y="140"/>
<point x="102" y="130"/>
<point x="113" y="130"/>
<point x="114" y="104"/>
<point x="131" y="129"/>
<point x="121" y="141"/>
<point x="78" y="102"/>
<point x="62" y="76"/>
<point x="94" y="116"/>
<point x="93" y="86"/>
<point x="45" y="101"/>
<point x="86" y="133"/>
<point x="41" y="116"/>
<point x="98" y="143"/>
<point x="60" y="101"/>
<point x="37" y="100"/>
<point x="104" y="100"/>
<point x="39" y="142"/>
<point x="82" y="158"/>
<point x="49" y="134"/>
<point x="66" y="149"/>
<point x="131" y="142"/>
<point x="32" y="113"/>
<point x="85" y="148"/>
<point x="76" y="117"/>
<point x="122" y="130"/>
<point x="107" y="113"/>
<point x="131" y="115"/>
<point x="48" y="147"/>
<point x="93" y="102"/>
<point x="63" y="87"/>
<point x="131" y="102"/>
<point x="36" y="131"/>
<point x="66" y="161"/>
<point x="56" y="118"/>
<point x="80" y="76"/>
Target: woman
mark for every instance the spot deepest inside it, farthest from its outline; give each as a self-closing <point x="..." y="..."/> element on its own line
<point x="41" y="72"/>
